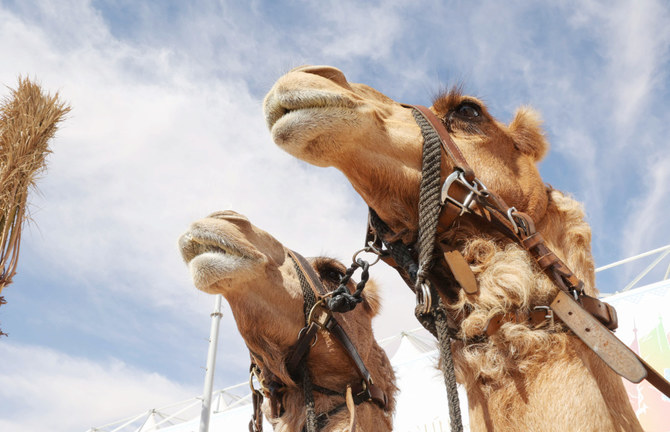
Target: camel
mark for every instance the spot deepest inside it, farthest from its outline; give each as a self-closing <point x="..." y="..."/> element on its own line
<point x="522" y="377"/>
<point x="253" y="271"/>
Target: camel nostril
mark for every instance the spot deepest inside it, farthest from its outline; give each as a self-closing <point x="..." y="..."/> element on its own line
<point x="333" y="74"/>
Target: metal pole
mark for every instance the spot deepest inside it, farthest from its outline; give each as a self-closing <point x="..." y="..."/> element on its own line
<point x="211" y="360"/>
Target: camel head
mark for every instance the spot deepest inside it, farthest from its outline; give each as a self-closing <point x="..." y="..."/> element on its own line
<point x="228" y="255"/>
<point x="316" y="115"/>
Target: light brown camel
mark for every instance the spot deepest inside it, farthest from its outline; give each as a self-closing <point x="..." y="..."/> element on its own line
<point x="228" y="255"/>
<point x="521" y="378"/>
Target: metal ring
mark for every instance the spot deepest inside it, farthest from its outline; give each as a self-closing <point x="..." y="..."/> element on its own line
<point x="311" y="311"/>
<point x="424" y="298"/>
<point x="368" y="249"/>
<point x="372" y="248"/>
<point x="302" y="330"/>
<point x="510" y="216"/>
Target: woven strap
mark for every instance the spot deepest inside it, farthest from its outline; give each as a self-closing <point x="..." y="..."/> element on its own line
<point x="429" y="212"/>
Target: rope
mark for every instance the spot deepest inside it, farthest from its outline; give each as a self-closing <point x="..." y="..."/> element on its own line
<point x="429" y="196"/>
<point x="342" y="300"/>
<point x="447" y="366"/>
<point x="311" y="424"/>
<point x="429" y="211"/>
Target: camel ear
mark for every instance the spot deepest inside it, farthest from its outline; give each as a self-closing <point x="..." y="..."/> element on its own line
<point x="371" y="298"/>
<point x="526" y="131"/>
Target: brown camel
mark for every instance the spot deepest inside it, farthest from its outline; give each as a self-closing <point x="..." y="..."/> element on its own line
<point x="228" y="255"/>
<point x="522" y="377"/>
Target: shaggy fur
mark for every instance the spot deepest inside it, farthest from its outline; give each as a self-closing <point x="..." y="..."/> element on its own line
<point x="519" y="379"/>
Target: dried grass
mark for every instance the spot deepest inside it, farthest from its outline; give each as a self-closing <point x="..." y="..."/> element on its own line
<point x="28" y="120"/>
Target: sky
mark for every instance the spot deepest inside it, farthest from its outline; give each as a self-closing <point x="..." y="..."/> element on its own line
<point x="166" y="127"/>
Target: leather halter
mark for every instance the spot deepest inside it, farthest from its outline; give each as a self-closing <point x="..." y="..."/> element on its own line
<point x="462" y="193"/>
<point x="317" y="317"/>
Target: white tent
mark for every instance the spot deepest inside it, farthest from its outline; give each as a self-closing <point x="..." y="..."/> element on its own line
<point x="415" y="364"/>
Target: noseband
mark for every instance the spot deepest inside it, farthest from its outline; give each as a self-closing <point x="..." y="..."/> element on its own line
<point x="318" y="310"/>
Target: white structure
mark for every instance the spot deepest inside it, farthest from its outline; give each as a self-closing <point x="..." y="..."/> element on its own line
<point x="414" y="358"/>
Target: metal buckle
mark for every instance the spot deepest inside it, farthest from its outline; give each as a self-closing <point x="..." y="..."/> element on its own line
<point x="364" y="395"/>
<point x="548" y="313"/>
<point x="320" y="315"/>
<point x="476" y="188"/>
<point x="424" y="298"/>
<point x="510" y="216"/>
<point x="303" y="330"/>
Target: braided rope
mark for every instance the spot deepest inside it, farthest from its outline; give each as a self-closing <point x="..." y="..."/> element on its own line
<point x="429" y="201"/>
<point x="311" y="424"/>
<point x="447" y="367"/>
<point x="429" y="211"/>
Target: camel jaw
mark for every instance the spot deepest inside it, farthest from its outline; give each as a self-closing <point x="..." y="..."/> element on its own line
<point x="213" y="258"/>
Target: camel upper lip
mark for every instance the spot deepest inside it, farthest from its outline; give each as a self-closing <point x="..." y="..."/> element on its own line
<point x="197" y="242"/>
<point x="278" y="105"/>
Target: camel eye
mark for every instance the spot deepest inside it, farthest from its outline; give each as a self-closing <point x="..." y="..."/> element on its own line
<point x="332" y="275"/>
<point x="468" y="110"/>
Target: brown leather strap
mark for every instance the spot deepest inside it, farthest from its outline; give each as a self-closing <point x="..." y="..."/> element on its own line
<point x="535" y="317"/>
<point x="324" y="319"/>
<point x="371" y="391"/>
<point x="600" y="310"/>
<point x="655" y="378"/>
<point x="300" y="349"/>
<point x="306" y="268"/>
<point x="459" y="268"/>
<point x="256" y="422"/>
<point x="603" y="312"/>
<point x="617" y="355"/>
<point x="363" y="392"/>
<point x="448" y="145"/>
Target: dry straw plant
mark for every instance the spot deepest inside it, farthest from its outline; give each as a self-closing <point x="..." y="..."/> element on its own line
<point x="28" y="120"/>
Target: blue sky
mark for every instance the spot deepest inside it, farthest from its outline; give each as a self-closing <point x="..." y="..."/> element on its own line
<point x="167" y="127"/>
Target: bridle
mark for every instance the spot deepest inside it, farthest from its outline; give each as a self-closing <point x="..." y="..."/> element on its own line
<point x="436" y="271"/>
<point x="318" y="308"/>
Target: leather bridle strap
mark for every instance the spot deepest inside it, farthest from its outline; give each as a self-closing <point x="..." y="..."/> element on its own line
<point x="516" y="225"/>
<point x="463" y="193"/>
<point x="318" y="317"/>
<point x="448" y="145"/>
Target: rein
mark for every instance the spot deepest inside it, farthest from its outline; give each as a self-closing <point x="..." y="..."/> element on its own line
<point x="318" y="308"/>
<point x="436" y="272"/>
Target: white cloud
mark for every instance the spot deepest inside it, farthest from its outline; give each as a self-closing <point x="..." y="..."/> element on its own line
<point x="635" y="42"/>
<point x="167" y="127"/>
<point x="649" y="214"/>
<point x="43" y="389"/>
